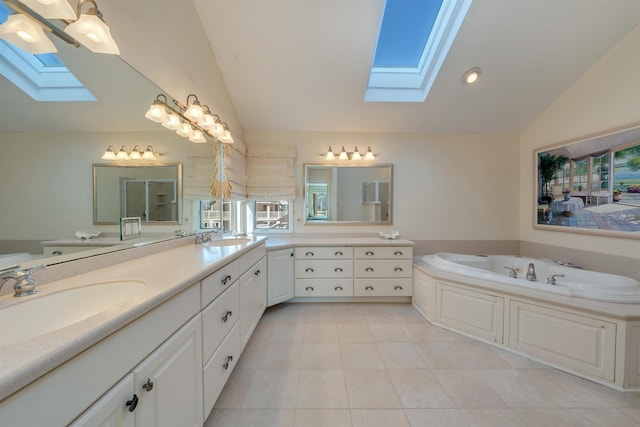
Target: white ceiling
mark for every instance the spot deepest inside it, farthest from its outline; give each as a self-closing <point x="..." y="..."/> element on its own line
<point x="302" y="65"/>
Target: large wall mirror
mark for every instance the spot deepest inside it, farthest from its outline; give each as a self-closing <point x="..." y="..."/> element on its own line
<point x="590" y="185"/>
<point x="350" y="194"/>
<point x="152" y="193"/>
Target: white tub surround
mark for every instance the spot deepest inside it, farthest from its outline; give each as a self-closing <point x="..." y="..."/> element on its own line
<point x="598" y="340"/>
<point x="182" y="285"/>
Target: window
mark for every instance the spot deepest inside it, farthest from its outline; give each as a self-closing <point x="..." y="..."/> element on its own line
<point x="580" y="174"/>
<point x="600" y="173"/>
<point x="563" y="176"/>
<point x="211" y="218"/>
<point x="272" y="215"/>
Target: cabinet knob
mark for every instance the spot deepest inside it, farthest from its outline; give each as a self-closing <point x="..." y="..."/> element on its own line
<point x="368" y="288"/>
<point x="338" y="270"/>
<point x="397" y="269"/>
<point x="308" y="288"/>
<point x="257" y="272"/>
<point x="398" y="253"/>
<point x="132" y="403"/>
<point x="226" y="280"/>
<point x="226" y="363"/>
<point x="338" y="288"/>
<point x="397" y="288"/>
<point x="226" y="316"/>
<point x="56" y="253"/>
<point x="309" y="270"/>
<point x="368" y="269"/>
<point x="338" y="253"/>
<point x="369" y="253"/>
<point x="148" y="386"/>
<point x="309" y="254"/>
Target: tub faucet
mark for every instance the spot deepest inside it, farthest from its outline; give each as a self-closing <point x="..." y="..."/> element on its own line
<point x="513" y="273"/>
<point x="531" y="273"/>
<point x="552" y="279"/>
<point x="24" y="284"/>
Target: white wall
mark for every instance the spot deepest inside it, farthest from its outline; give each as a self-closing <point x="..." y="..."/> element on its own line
<point x="607" y="96"/>
<point x="446" y="187"/>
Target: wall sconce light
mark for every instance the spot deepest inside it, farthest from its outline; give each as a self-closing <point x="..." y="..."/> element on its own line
<point x="193" y="120"/>
<point x="346" y="155"/>
<point x="89" y="29"/>
<point x="135" y="154"/>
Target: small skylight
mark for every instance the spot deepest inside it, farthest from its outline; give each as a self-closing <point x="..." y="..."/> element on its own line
<point x="413" y="41"/>
<point x="43" y="77"/>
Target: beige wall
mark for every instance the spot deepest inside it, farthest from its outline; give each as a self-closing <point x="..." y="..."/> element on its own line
<point x="605" y="97"/>
<point x="446" y="187"/>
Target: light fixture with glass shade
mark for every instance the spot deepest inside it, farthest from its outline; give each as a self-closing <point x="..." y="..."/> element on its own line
<point x="226" y="137"/>
<point x="157" y="111"/>
<point x="343" y="154"/>
<point x="194" y="110"/>
<point x="330" y="155"/>
<point x="91" y="30"/>
<point x="109" y="154"/>
<point x="172" y="121"/>
<point x="21" y="31"/>
<point x="122" y="154"/>
<point x="148" y="153"/>
<point x="356" y="155"/>
<point x="369" y="155"/>
<point x="135" y="153"/>
<point x="52" y="9"/>
<point x="350" y="155"/>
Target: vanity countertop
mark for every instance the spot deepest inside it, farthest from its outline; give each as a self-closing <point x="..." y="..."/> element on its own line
<point x="25" y="361"/>
<point x="290" y="240"/>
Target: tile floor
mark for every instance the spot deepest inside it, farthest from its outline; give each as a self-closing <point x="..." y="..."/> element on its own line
<point x="370" y="365"/>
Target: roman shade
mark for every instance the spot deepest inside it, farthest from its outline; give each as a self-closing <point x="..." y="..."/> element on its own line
<point x="271" y="172"/>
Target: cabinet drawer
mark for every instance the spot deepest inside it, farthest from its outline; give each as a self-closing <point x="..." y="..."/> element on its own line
<point x="216" y="283"/>
<point x="324" y="252"/>
<point x="324" y="269"/>
<point x="383" y="268"/>
<point x="389" y="252"/>
<point x="382" y="287"/>
<point x="218" y="318"/>
<point x="217" y="370"/>
<point x="324" y="287"/>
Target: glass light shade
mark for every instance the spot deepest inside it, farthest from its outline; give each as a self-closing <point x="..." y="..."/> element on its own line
<point x="217" y="129"/>
<point x="226" y="137"/>
<point x="197" y="137"/>
<point x="109" y="154"/>
<point x="356" y="155"/>
<point x="26" y="34"/>
<point x="369" y="155"/>
<point x="330" y="155"/>
<point x="94" y="34"/>
<point x="172" y="122"/>
<point x="122" y="154"/>
<point x="52" y="9"/>
<point x="206" y="121"/>
<point x="194" y="112"/>
<point x="185" y="130"/>
<point x="343" y="155"/>
<point x="156" y="113"/>
<point x="135" y="153"/>
<point x="148" y="154"/>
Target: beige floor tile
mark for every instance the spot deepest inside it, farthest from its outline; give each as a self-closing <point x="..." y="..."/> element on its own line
<point x="287" y="333"/>
<point x="370" y="389"/>
<point x="435" y="418"/>
<point x="633" y="413"/>
<point x="407" y="314"/>
<point x="466" y="389"/>
<point x="379" y="418"/>
<point x="354" y="332"/>
<point x="419" y="388"/>
<point x="266" y="418"/>
<point x="463" y="355"/>
<point x="517" y="361"/>
<point x="361" y="356"/>
<point x="322" y="389"/>
<point x="493" y="417"/>
<point x="400" y="356"/>
<point x="518" y="388"/>
<point x="323" y="418"/>
<point x="321" y="355"/>
<point x="314" y="332"/>
<point x="388" y="332"/>
<point x="605" y="417"/>
<point x="612" y="397"/>
<point x="235" y="390"/>
<point x="222" y="418"/>
<point x="563" y="389"/>
<point x="272" y="389"/>
<point x="281" y="356"/>
<point x="547" y="417"/>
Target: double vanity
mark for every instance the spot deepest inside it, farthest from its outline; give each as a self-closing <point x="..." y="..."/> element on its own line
<point x="153" y="340"/>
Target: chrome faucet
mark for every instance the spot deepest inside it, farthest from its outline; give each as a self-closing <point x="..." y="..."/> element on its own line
<point x="513" y="273"/>
<point x="24" y="284"/>
<point x="552" y="279"/>
<point x="531" y="273"/>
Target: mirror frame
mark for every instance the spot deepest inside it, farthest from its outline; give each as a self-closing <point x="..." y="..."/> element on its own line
<point x="616" y="132"/>
<point x="130" y="164"/>
<point x="306" y="166"/>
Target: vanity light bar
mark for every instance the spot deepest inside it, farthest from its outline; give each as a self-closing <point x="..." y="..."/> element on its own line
<point x="350" y="155"/>
<point x="123" y="154"/>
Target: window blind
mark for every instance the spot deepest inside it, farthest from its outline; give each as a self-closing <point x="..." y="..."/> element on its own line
<point x="271" y="172"/>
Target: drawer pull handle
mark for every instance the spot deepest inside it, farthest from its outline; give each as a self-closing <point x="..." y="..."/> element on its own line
<point x="368" y="288"/>
<point x="397" y="269"/>
<point x="338" y="270"/>
<point x="56" y="253"/>
<point x="338" y="288"/>
<point x="398" y="253"/>
<point x="309" y="288"/>
<point x="397" y="288"/>
<point x="132" y="403"/>
<point x="257" y="272"/>
<point x="369" y="253"/>
<point x="368" y="269"/>
<point x="309" y="270"/>
<point x="338" y="253"/>
<point x="226" y="280"/>
<point x="226" y="316"/>
<point x="309" y="254"/>
<point x="226" y="364"/>
<point x="148" y="386"/>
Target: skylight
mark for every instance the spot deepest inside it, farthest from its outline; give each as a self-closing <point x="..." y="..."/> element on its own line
<point x="413" y="41"/>
<point x="43" y="77"/>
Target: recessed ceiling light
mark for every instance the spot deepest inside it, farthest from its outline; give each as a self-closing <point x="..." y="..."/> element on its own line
<point x="471" y="76"/>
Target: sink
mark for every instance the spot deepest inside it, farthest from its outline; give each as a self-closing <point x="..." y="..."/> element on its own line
<point x="230" y="242"/>
<point x="36" y="315"/>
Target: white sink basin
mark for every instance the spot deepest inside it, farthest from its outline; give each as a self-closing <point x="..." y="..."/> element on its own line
<point x="36" y="315"/>
<point x="230" y="242"/>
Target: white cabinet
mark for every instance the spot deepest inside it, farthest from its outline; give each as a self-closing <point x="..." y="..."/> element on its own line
<point x="253" y="298"/>
<point x="112" y="409"/>
<point x="324" y="271"/>
<point x="383" y="271"/>
<point x="280" y="281"/>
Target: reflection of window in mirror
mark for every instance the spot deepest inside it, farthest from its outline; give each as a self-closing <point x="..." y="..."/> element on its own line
<point x="271" y="215"/>
<point x="317" y="201"/>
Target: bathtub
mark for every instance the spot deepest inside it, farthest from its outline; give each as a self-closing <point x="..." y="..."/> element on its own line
<point x="576" y="282"/>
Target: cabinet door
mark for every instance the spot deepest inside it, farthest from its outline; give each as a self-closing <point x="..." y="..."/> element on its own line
<point x="280" y="283"/>
<point x="253" y="299"/>
<point x="169" y="381"/>
<point x="112" y="409"/>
